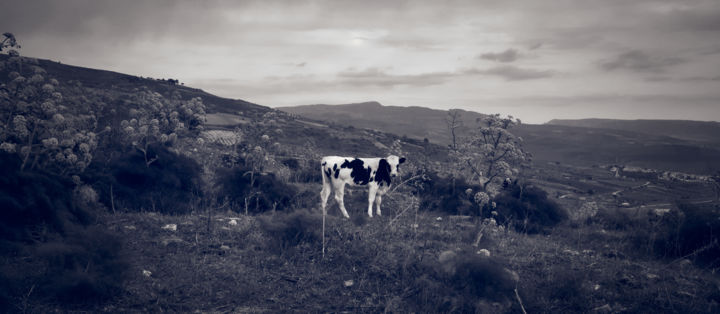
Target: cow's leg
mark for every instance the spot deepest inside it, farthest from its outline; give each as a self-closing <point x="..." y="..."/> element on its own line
<point x="371" y="198"/>
<point x="324" y="195"/>
<point x="339" y="193"/>
<point x="378" y="201"/>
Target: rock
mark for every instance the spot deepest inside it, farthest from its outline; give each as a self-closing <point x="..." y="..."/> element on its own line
<point x="457" y="218"/>
<point x="685" y="263"/>
<point x="171" y="240"/>
<point x="447" y="256"/>
<point x="170" y="227"/>
<point x="447" y="262"/>
<point x="603" y="309"/>
<point x="513" y="274"/>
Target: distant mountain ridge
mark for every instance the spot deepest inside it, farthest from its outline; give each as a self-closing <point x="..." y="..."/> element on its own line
<point x="700" y="131"/>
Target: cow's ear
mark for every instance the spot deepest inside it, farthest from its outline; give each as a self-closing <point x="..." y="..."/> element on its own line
<point x="402" y="159"/>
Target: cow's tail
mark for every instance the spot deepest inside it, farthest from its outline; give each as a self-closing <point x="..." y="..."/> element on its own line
<point x="322" y="172"/>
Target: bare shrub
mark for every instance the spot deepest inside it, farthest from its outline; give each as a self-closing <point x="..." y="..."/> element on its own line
<point x="286" y="231"/>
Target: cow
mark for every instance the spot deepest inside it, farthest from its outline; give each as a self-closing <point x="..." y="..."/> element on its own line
<point x="376" y="173"/>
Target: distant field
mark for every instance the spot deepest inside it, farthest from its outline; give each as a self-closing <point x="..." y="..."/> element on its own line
<point x="225" y="119"/>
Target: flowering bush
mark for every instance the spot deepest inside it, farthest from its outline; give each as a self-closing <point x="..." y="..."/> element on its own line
<point x="38" y="126"/>
<point x="491" y="153"/>
<point x="156" y="119"/>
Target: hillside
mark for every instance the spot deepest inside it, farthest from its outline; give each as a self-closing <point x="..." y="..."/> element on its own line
<point x="119" y="82"/>
<point x="414" y="122"/>
<point x="666" y="145"/>
<point x="225" y="217"/>
<point x="700" y="131"/>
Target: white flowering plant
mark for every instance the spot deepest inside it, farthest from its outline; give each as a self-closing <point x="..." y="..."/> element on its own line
<point x="37" y="125"/>
<point x="491" y="153"/>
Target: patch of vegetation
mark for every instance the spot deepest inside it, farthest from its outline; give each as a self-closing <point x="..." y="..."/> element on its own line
<point x="528" y="209"/>
<point x="464" y="282"/>
<point x="52" y="250"/>
<point x="255" y="192"/>
<point x="447" y="195"/>
<point x="167" y="185"/>
<point x="290" y="230"/>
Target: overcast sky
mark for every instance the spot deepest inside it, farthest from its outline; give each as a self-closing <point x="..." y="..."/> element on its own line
<point x="536" y="60"/>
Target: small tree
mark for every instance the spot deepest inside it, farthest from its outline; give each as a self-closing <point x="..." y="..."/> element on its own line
<point x="454" y="122"/>
<point x="10" y="43"/>
<point x="491" y="153"/>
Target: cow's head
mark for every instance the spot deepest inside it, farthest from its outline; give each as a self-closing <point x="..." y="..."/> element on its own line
<point x="394" y="162"/>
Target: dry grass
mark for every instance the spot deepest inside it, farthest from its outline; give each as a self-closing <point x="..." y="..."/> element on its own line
<point x="374" y="266"/>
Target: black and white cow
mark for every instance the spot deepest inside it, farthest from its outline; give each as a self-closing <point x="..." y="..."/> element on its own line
<point x="377" y="173"/>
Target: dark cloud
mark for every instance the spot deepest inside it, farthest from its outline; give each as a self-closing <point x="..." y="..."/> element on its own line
<point x="509" y="55"/>
<point x="639" y="61"/>
<point x="703" y="79"/>
<point x="702" y="17"/>
<point x="513" y="73"/>
<point x="535" y="46"/>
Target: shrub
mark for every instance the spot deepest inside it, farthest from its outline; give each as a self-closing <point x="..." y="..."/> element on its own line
<point x="85" y="267"/>
<point x="49" y="244"/>
<point x="528" y="209"/>
<point x="448" y="195"/>
<point x="304" y="172"/>
<point x="461" y="281"/>
<point x="166" y="185"/>
<point x="695" y="233"/>
<point x="289" y="230"/>
<point x="31" y="199"/>
<point x="260" y="192"/>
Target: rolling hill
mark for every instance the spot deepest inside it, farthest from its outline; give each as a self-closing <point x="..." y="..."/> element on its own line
<point x="700" y="131"/>
<point x="414" y="122"/>
<point x="667" y="145"/>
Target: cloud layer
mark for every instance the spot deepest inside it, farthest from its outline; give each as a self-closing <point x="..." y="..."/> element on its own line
<point x="478" y="55"/>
